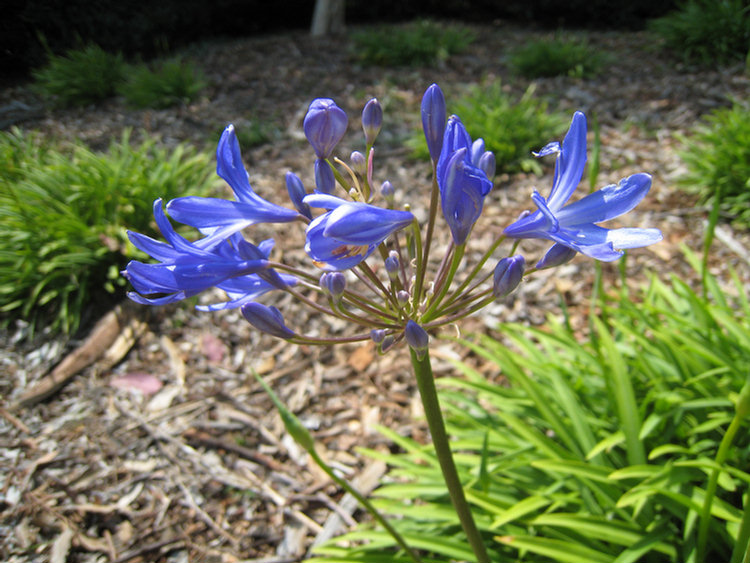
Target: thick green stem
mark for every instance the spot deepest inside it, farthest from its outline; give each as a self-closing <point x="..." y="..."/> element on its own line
<point x="366" y="503"/>
<point x="428" y="393"/>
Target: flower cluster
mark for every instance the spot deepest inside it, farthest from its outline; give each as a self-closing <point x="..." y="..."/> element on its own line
<point x="399" y="297"/>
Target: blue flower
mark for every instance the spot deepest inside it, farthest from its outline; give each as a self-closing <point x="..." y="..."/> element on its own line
<point x="573" y="225"/>
<point x="350" y="231"/>
<point x="324" y="124"/>
<point x="219" y="218"/>
<point x="463" y="184"/>
<point x="188" y="268"/>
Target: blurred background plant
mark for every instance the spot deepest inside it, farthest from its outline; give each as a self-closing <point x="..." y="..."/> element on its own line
<point x="557" y="57"/>
<point x="422" y="42"/>
<point x="64" y="212"/>
<point x="717" y="156"/>
<point x="707" y="31"/>
<point x="80" y="76"/>
<point x="598" y="449"/>
<point x="164" y="84"/>
<point x="511" y="126"/>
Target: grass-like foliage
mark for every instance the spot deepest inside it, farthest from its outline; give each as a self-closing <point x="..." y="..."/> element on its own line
<point x="63" y="217"/>
<point x="707" y="31"/>
<point x="418" y="43"/>
<point x="717" y="155"/>
<point x="511" y="126"/>
<point x="80" y="77"/>
<point x="557" y="57"/>
<point x="601" y="450"/>
<point x="167" y="84"/>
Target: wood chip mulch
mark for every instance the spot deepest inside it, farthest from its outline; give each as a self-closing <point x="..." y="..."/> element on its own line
<point x="152" y="442"/>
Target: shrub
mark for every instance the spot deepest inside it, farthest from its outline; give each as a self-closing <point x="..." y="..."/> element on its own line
<point x="556" y="57"/>
<point x="419" y="43"/>
<point x="596" y="450"/>
<point x="510" y="127"/>
<point x="63" y="219"/>
<point x="717" y="155"/>
<point x="707" y="31"/>
<point x="169" y="83"/>
<point x="80" y="77"/>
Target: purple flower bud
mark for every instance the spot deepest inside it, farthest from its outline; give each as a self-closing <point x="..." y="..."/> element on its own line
<point x="402" y="296"/>
<point x="487" y="164"/>
<point x="377" y="335"/>
<point x="417" y="338"/>
<point x="508" y="274"/>
<point x="358" y="162"/>
<point x="325" y="125"/>
<point x="325" y="181"/>
<point x="557" y="255"/>
<point x="477" y="150"/>
<point x="392" y="264"/>
<point x="433" y="120"/>
<point x="386" y="344"/>
<point x="266" y="319"/>
<point x="296" y="192"/>
<point x="387" y="191"/>
<point x="334" y="283"/>
<point x="372" y="120"/>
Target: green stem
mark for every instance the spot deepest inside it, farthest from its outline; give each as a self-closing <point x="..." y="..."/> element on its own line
<point x="428" y="393"/>
<point x="366" y="503"/>
<point x="741" y="411"/>
<point x="741" y="552"/>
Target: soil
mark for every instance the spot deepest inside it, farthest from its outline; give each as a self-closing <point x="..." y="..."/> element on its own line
<point x="164" y="448"/>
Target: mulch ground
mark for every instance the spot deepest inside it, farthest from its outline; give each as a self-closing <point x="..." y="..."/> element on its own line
<point x="164" y="448"/>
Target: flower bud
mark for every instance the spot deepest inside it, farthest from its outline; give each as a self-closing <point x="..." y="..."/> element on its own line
<point x="266" y="319"/>
<point x="359" y="164"/>
<point x="387" y="191"/>
<point x="386" y="344"/>
<point x="557" y="255"/>
<point x="487" y="164"/>
<point x="377" y="335"/>
<point x="477" y="150"/>
<point x="433" y="120"/>
<point x="325" y="181"/>
<point x="417" y="338"/>
<point x="372" y="120"/>
<point x="325" y="125"/>
<point x="296" y="192"/>
<point x="507" y="276"/>
<point x="392" y="264"/>
<point x="334" y="283"/>
<point x="402" y="296"/>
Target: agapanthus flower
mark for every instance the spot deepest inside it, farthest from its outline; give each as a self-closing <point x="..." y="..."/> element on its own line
<point x="573" y="225"/>
<point x="349" y="231"/>
<point x="221" y="217"/>
<point x="188" y="268"/>
<point x="266" y="319"/>
<point x="463" y="185"/>
<point x="324" y="124"/>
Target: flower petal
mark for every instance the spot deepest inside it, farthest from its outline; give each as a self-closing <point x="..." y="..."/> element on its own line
<point x="570" y="163"/>
<point x="608" y="202"/>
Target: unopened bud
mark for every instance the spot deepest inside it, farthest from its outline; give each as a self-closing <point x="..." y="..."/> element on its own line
<point x="487" y="164"/>
<point x="508" y="274"/>
<point x="417" y="338"/>
<point x="387" y="191"/>
<point x="334" y="283"/>
<point x="433" y="120"/>
<point x="392" y="264"/>
<point x="266" y="319"/>
<point x="377" y="335"/>
<point x="325" y="124"/>
<point x="296" y="193"/>
<point x="359" y="164"/>
<point x="557" y="255"/>
<point x="372" y="120"/>
<point x="402" y="296"/>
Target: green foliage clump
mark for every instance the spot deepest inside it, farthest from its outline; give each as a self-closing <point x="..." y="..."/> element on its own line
<point x="707" y="31"/>
<point x="557" y="57"/>
<point x="169" y="83"/>
<point x="599" y="450"/>
<point x="419" y="43"/>
<point x="717" y="155"/>
<point x="80" y="77"/>
<point x="511" y="127"/>
<point x="64" y="213"/>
